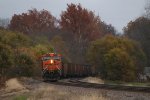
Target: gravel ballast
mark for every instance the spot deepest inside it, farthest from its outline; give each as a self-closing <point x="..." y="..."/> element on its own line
<point x="38" y="90"/>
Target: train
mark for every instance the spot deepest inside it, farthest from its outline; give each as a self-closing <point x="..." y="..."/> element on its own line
<point x="53" y="68"/>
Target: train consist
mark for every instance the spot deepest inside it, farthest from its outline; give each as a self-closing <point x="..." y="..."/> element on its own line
<point x="53" y="68"/>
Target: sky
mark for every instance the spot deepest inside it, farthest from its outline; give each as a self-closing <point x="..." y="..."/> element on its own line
<point x="115" y="12"/>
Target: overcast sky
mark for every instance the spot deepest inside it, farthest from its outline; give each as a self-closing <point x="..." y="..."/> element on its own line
<point x="115" y="12"/>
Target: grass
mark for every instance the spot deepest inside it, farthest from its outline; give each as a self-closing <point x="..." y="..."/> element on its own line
<point x="52" y="93"/>
<point x="20" y="97"/>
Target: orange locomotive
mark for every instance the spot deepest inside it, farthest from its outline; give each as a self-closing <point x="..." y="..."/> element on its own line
<point x="51" y="66"/>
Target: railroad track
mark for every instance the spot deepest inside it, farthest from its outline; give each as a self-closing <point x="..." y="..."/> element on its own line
<point x="77" y="83"/>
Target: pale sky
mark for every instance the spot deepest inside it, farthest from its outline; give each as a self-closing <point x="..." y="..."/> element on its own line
<point x="115" y="12"/>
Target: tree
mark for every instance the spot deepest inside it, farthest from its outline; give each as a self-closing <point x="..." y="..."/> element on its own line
<point x="147" y="9"/>
<point x="25" y="62"/>
<point x="102" y="47"/>
<point x="33" y="22"/>
<point x="119" y="65"/>
<point x="6" y="59"/>
<point x="82" y="27"/>
<point x="60" y="47"/>
<point x="4" y="23"/>
<point x="14" y="39"/>
<point x="139" y="30"/>
<point x="82" y="23"/>
<point x="41" y="49"/>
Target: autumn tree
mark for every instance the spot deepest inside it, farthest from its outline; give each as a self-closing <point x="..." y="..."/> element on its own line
<point x="139" y="30"/>
<point x="112" y="52"/>
<point x="39" y="22"/>
<point x="82" y="23"/>
<point x="82" y="27"/>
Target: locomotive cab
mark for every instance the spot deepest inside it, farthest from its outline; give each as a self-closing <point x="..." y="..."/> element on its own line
<point x="51" y="66"/>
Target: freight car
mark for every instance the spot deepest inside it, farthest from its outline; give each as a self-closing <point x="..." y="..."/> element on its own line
<point x="75" y="70"/>
<point x="53" y="68"/>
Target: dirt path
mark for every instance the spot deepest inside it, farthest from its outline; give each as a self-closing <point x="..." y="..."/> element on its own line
<point x="30" y="89"/>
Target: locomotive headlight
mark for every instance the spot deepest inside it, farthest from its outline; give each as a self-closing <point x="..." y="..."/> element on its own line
<point x="52" y="61"/>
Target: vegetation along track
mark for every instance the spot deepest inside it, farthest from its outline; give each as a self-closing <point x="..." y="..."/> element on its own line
<point x="78" y="83"/>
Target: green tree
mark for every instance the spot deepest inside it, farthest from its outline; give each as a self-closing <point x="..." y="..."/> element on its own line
<point x="14" y="39"/>
<point x="119" y="65"/>
<point x="101" y="47"/>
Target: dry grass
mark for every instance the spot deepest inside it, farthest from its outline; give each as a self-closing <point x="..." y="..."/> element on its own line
<point x="13" y="84"/>
<point x="51" y="93"/>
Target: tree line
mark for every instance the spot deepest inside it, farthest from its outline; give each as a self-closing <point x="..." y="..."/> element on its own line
<point x="81" y="37"/>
